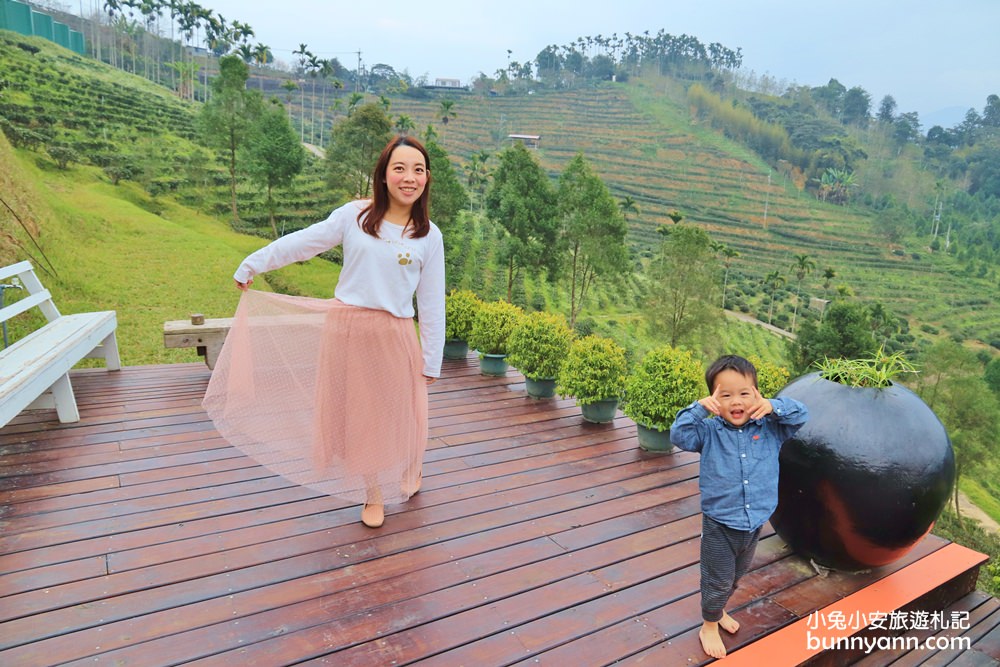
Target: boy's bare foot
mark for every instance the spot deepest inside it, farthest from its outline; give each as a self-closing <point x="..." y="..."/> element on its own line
<point x="711" y="642"/>
<point x="728" y="623"/>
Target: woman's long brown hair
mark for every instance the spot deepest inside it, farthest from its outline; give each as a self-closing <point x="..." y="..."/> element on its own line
<point x="376" y="210"/>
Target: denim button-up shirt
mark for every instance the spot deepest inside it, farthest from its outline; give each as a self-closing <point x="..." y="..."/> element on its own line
<point x="739" y="465"/>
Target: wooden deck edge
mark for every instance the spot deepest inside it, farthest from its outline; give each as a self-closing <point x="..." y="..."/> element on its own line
<point x="936" y="580"/>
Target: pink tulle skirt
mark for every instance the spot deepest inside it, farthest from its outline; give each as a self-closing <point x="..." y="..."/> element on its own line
<point x="327" y="395"/>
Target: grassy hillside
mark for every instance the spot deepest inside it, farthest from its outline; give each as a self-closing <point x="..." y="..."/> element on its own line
<point x="110" y="252"/>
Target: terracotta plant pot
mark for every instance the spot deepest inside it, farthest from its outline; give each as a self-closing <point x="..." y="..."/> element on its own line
<point x="864" y="480"/>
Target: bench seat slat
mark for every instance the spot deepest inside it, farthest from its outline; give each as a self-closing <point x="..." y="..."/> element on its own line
<point x="59" y="343"/>
<point x="29" y="367"/>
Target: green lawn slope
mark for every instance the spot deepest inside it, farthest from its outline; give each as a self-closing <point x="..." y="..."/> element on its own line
<point x="109" y="252"/>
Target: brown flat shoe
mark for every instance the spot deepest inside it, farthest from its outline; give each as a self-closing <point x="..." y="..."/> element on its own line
<point x="373" y="515"/>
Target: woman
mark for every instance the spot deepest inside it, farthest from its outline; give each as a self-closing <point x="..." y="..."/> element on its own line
<point x="333" y="394"/>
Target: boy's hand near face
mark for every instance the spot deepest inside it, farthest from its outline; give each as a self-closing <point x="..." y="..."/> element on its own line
<point x="762" y="407"/>
<point x="711" y="403"/>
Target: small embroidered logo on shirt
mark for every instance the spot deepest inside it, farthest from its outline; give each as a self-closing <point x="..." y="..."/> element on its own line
<point x="404" y="259"/>
<point x="756" y="437"/>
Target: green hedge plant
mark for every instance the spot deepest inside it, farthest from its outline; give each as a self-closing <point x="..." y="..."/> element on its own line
<point x="539" y="344"/>
<point x="666" y="380"/>
<point x="494" y="323"/>
<point x="770" y="376"/>
<point x="460" y="308"/>
<point x="594" y="370"/>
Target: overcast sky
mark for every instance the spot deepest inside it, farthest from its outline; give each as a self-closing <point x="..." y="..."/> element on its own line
<point x="930" y="55"/>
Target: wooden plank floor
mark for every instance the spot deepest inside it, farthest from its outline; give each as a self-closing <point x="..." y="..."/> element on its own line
<point x="139" y="537"/>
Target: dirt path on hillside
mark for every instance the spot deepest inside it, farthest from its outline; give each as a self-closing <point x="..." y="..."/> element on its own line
<point x="971" y="511"/>
<point x="753" y="320"/>
<point x="315" y="150"/>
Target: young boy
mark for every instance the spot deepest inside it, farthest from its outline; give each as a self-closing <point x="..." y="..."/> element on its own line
<point x="738" y="481"/>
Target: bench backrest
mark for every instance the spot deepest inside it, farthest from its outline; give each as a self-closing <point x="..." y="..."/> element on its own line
<point x="37" y="295"/>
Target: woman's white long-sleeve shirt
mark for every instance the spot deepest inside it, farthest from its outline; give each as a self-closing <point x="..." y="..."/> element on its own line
<point x="381" y="273"/>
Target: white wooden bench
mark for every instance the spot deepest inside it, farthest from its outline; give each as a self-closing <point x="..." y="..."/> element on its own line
<point x="207" y="335"/>
<point x="34" y="371"/>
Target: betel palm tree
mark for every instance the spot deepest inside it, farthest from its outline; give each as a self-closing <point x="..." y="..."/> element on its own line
<point x="404" y="124"/>
<point x="303" y="53"/>
<point x="802" y="266"/>
<point x="326" y="71"/>
<point x="447" y="111"/>
<point x="313" y="67"/>
<point x="261" y="56"/>
<point x="246" y="53"/>
<point x="478" y="175"/>
<point x="774" y="280"/>
<point x="289" y="87"/>
<point x="828" y="275"/>
<point x="628" y="205"/>
<point x="353" y="101"/>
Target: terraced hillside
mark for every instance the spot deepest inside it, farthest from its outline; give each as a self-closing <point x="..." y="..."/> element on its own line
<point x="646" y="146"/>
<point x="110" y="117"/>
<point x="642" y="143"/>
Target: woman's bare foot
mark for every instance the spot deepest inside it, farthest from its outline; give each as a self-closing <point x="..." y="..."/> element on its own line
<point x="728" y="623"/>
<point x="711" y="642"/>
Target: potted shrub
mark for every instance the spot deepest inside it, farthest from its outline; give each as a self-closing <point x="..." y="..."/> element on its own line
<point x="666" y="380"/>
<point x="537" y="347"/>
<point x="770" y="376"/>
<point x="594" y="372"/>
<point x="491" y="328"/>
<point x="460" y="308"/>
<point x="866" y="477"/>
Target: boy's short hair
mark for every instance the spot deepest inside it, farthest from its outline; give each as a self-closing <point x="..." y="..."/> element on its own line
<point x="730" y="362"/>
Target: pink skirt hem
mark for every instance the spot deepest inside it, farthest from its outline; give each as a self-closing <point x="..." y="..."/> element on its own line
<point x="327" y="395"/>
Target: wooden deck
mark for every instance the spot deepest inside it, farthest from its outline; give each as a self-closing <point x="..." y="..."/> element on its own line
<point x="139" y="537"/>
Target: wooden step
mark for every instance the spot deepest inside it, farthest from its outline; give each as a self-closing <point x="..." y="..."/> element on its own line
<point x="929" y="584"/>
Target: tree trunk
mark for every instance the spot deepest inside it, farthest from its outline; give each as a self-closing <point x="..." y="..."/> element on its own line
<point x="232" y="178"/>
<point x="510" y="279"/>
<point x="270" y="208"/>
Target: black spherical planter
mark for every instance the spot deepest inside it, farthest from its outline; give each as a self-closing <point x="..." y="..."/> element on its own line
<point x="865" y="478"/>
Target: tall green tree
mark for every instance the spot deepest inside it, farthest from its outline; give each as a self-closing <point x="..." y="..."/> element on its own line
<point x="952" y="385"/>
<point x="991" y="374"/>
<point x="593" y="231"/>
<point x="683" y="284"/>
<point x="355" y="144"/>
<point x="274" y="154"/>
<point x="844" y="333"/>
<point x="448" y="199"/>
<point x="523" y="202"/>
<point x="857" y="107"/>
<point x="448" y="196"/>
<point x="728" y="255"/>
<point x="227" y="117"/>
